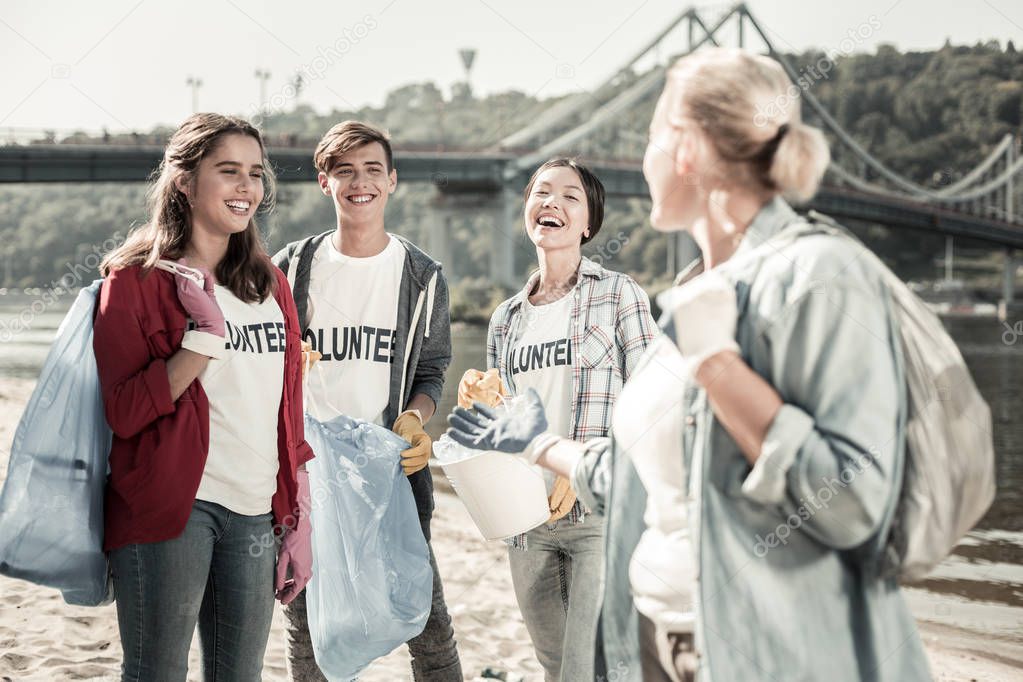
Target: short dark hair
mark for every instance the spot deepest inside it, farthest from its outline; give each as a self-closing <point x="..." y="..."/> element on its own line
<point x="346" y="136"/>
<point x="592" y="186"/>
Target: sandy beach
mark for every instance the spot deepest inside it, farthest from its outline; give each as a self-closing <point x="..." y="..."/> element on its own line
<point x="41" y="638"/>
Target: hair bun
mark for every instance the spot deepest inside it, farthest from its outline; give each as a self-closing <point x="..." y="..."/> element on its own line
<point x="799" y="161"/>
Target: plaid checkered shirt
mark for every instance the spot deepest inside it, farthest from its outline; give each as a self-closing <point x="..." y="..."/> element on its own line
<point x="611" y="326"/>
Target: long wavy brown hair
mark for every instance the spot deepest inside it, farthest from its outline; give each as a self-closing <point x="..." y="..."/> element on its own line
<point x="245" y="269"/>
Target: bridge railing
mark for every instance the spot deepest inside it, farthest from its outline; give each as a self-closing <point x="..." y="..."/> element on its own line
<point x="11" y="136"/>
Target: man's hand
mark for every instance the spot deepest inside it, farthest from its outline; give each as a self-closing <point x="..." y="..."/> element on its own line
<point x="309" y="357"/>
<point x="409" y="425"/>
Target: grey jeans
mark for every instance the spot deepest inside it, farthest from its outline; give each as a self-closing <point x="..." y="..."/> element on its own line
<point x="434" y="656"/>
<point x="557" y="585"/>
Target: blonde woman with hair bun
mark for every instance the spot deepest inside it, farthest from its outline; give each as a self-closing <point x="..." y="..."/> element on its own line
<point x="757" y="449"/>
<point x="793" y="379"/>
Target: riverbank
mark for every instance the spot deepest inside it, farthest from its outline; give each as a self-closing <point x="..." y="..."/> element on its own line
<point x="41" y="638"/>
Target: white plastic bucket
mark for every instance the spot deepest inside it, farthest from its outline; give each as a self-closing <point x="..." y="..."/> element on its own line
<point x="504" y="494"/>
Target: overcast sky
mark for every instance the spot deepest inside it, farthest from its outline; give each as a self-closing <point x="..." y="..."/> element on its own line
<point x="123" y="64"/>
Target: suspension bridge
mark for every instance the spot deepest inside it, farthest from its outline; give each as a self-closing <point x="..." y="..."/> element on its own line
<point x="983" y="205"/>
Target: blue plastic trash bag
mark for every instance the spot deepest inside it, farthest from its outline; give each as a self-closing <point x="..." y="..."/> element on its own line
<point x="372" y="582"/>
<point x="51" y="508"/>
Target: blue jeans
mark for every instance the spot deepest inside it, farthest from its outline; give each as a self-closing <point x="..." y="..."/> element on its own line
<point x="557" y="586"/>
<point x="215" y="574"/>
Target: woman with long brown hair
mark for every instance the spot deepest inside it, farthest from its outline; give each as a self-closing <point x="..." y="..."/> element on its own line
<point x="197" y="346"/>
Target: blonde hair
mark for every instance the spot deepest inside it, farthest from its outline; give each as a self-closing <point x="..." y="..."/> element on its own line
<point x="749" y="111"/>
<point x="246" y="268"/>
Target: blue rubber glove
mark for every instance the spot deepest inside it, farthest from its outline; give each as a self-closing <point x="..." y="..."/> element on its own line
<point x="522" y="432"/>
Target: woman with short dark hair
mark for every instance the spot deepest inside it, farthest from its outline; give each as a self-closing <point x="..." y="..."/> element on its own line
<point x="573" y="334"/>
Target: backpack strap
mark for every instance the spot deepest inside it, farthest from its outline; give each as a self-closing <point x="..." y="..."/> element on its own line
<point x="813" y="223"/>
<point x="810" y="224"/>
<point x="304" y="252"/>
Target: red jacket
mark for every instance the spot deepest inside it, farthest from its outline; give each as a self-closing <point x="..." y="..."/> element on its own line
<point x="159" y="448"/>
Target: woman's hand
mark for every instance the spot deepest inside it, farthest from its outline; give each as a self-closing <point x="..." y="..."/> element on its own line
<point x="704" y="313"/>
<point x="561" y="499"/>
<point x="296" y="551"/>
<point x="469" y="379"/>
<point x="522" y="432"/>
<point x="199" y="301"/>
<point x="477" y="386"/>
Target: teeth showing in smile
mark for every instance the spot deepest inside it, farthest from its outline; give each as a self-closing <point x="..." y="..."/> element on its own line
<point x="238" y="206"/>
<point x="360" y="198"/>
<point x="547" y="220"/>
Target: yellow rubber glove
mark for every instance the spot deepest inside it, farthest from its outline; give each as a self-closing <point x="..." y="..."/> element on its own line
<point x="469" y="379"/>
<point x="309" y="357"/>
<point x="409" y="426"/>
<point x="482" y="387"/>
<point x="561" y="499"/>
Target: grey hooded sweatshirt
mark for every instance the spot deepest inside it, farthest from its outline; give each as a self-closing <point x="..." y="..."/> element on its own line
<point x="422" y="347"/>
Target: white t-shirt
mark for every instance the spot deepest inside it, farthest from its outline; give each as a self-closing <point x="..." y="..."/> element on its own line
<point x="542" y="359"/>
<point x="353" y="313"/>
<point x="244" y="390"/>
<point x="648" y="427"/>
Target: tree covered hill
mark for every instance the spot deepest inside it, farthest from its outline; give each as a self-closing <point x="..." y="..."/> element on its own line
<point x="929" y="115"/>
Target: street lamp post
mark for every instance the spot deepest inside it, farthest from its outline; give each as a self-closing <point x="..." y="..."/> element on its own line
<point x="262" y="75"/>
<point x="195" y="84"/>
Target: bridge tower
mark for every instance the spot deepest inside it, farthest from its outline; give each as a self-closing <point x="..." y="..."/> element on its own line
<point x="501" y="207"/>
<point x="1009" y="307"/>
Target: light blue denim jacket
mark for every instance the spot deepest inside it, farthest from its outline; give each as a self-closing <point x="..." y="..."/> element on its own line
<point x="785" y="549"/>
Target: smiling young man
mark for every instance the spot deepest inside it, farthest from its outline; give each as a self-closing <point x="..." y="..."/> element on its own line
<point x="376" y="307"/>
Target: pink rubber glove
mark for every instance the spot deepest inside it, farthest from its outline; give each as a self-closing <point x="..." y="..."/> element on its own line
<point x="200" y="303"/>
<point x="296" y="549"/>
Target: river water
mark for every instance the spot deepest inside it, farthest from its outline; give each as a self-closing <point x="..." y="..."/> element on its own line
<point x="979" y="587"/>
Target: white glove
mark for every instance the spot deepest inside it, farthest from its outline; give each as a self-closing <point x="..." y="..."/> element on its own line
<point x="704" y="312"/>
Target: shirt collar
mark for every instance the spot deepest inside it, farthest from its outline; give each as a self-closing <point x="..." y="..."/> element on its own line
<point x="772" y="218"/>
<point x="587" y="268"/>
